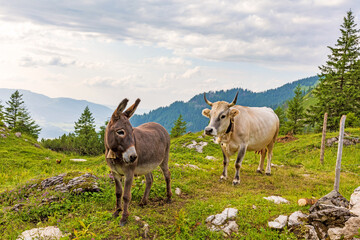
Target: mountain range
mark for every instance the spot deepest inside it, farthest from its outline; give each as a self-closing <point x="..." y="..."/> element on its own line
<point x="57" y="116"/>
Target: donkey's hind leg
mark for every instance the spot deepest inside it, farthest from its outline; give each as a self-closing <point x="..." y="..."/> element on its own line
<point x="165" y="169"/>
<point x="149" y="181"/>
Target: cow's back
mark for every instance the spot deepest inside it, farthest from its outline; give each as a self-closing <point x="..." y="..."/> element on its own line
<point x="256" y="126"/>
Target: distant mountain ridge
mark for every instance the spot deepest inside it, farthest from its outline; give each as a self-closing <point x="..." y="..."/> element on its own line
<point x="191" y="110"/>
<point x="56" y="116"/>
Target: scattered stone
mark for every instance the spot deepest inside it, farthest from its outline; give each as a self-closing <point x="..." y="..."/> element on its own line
<point x="41" y="233"/>
<point x="17" y="207"/>
<point x="296" y="218"/>
<point x="210" y="158"/>
<point x="279" y="222"/>
<point x="178" y="191"/>
<point x="220" y="222"/>
<point x="355" y="202"/>
<point x="144" y="231"/>
<point x="78" y="160"/>
<point x="275" y="165"/>
<point x="192" y="166"/>
<point x="335" y="233"/>
<point x="18" y="134"/>
<point x="26" y="140"/>
<point x="276" y="199"/>
<point x="37" y="145"/>
<point x="310" y="233"/>
<point x="347" y="141"/>
<point x="254" y="207"/>
<point x="47" y="158"/>
<point x="198" y="146"/>
<point x="3" y="135"/>
<point x="352" y="227"/>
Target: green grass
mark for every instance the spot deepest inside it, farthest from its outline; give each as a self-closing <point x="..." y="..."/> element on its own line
<point x="301" y="176"/>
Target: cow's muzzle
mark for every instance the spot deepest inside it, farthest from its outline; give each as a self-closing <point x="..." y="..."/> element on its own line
<point x="130" y="155"/>
<point x="210" y="131"/>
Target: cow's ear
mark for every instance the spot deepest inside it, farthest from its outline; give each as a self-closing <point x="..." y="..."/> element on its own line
<point x="206" y="112"/>
<point x="234" y="112"/>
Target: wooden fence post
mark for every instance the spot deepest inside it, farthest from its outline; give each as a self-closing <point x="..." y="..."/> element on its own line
<point x="322" y="149"/>
<point x="339" y="154"/>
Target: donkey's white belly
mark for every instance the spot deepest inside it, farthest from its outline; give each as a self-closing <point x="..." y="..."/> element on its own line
<point x="145" y="168"/>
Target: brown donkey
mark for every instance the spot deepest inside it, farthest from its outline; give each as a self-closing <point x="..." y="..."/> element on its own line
<point x="135" y="151"/>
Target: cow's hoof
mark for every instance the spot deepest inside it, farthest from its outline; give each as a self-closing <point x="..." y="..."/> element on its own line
<point x="268" y="174"/>
<point x="235" y="182"/>
<point x="223" y="178"/>
<point x="259" y="171"/>
<point x="116" y="213"/>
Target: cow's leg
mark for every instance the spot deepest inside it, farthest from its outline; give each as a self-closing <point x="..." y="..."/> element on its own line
<point x="167" y="175"/>
<point x="226" y="163"/>
<point x="238" y="162"/>
<point x="269" y="156"/>
<point x="149" y="181"/>
<point x="127" y="197"/>
<point x="118" y="194"/>
<point x="262" y="160"/>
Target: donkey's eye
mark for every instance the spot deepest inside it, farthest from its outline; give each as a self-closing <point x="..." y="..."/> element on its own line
<point x="120" y="132"/>
<point x="222" y="116"/>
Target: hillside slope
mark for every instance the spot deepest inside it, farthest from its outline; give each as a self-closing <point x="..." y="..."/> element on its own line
<point x="191" y="110"/>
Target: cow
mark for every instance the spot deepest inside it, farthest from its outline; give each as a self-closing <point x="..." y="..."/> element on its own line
<point x="239" y="129"/>
<point x="135" y="151"/>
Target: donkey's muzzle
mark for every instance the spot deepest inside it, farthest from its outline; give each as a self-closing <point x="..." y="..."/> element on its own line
<point x="130" y="155"/>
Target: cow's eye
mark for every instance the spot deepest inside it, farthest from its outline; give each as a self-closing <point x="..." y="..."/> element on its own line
<point x="222" y="116"/>
<point x="120" y="132"/>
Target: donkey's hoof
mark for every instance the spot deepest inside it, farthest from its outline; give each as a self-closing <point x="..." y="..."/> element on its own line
<point x="116" y="213"/>
<point x="259" y="171"/>
<point x="268" y="174"/>
<point x="235" y="182"/>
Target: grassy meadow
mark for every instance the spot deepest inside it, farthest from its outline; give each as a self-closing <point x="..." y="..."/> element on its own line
<point x="297" y="174"/>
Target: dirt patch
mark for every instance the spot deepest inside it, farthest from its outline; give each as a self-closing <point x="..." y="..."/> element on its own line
<point x="287" y="138"/>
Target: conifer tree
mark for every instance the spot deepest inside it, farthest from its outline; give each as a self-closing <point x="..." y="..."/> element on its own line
<point x="18" y="118"/>
<point x="179" y="127"/>
<point x="282" y="118"/>
<point x="338" y="87"/>
<point x="1" y="114"/>
<point x="295" y="112"/>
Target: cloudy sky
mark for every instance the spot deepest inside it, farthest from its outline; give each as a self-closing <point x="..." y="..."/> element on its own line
<point x="163" y="50"/>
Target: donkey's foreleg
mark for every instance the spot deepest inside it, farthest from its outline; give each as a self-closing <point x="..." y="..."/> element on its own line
<point x="127" y="197"/>
<point x="238" y="162"/>
<point x="118" y="193"/>
<point x="149" y="181"/>
<point x="225" y="162"/>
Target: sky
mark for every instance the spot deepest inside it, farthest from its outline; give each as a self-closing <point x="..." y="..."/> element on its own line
<point x="162" y="51"/>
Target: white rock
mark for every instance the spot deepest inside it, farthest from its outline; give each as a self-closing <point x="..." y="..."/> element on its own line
<point x="210" y="218"/>
<point x="276" y="199"/>
<point x="197" y="146"/>
<point x="311" y="234"/>
<point x="279" y="222"/>
<point x="18" y="134"/>
<point x="230" y="227"/>
<point x="294" y="218"/>
<point x="335" y="233"/>
<point x="351" y="227"/>
<point x="355" y="202"/>
<point x="78" y="160"/>
<point x="210" y="158"/>
<point x="230" y="212"/>
<point x="219" y="219"/>
<point x="48" y="233"/>
<point x="178" y="191"/>
<point x="192" y="166"/>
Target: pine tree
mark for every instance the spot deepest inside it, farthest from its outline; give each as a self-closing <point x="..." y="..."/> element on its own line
<point x="179" y="127"/>
<point x="295" y="112"/>
<point x="282" y="118"/>
<point x="18" y="118"/>
<point x="338" y="87"/>
<point x="1" y="114"/>
<point x="87" y="141"/>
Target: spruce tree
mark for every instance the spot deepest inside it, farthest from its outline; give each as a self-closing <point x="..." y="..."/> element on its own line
<point x="338" y="87"/>
<point x="295" y="112"/>
<point x="18" y="118"/>
<point x="1" y="114"/>
<point x="179" y="127"/>
<point x="282" y="118"/>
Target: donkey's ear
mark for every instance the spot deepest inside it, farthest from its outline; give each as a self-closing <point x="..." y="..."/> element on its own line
<point x="121" y="107"/>
<point x="130" y="111"/>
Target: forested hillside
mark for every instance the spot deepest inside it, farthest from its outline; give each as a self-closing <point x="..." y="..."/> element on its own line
<point x="191" y="110"/>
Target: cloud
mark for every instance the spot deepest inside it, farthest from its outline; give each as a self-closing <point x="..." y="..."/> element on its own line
<point x="125" y="82"/>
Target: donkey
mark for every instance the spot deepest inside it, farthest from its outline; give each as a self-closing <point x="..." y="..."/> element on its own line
<point x="135" y="151"/>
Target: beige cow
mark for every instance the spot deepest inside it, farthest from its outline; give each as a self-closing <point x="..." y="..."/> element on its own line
<point x="239" y="129"/>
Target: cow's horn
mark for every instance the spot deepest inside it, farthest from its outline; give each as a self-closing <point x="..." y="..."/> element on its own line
<point x="207" y="101"/>
<point x="234" y="101"/>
